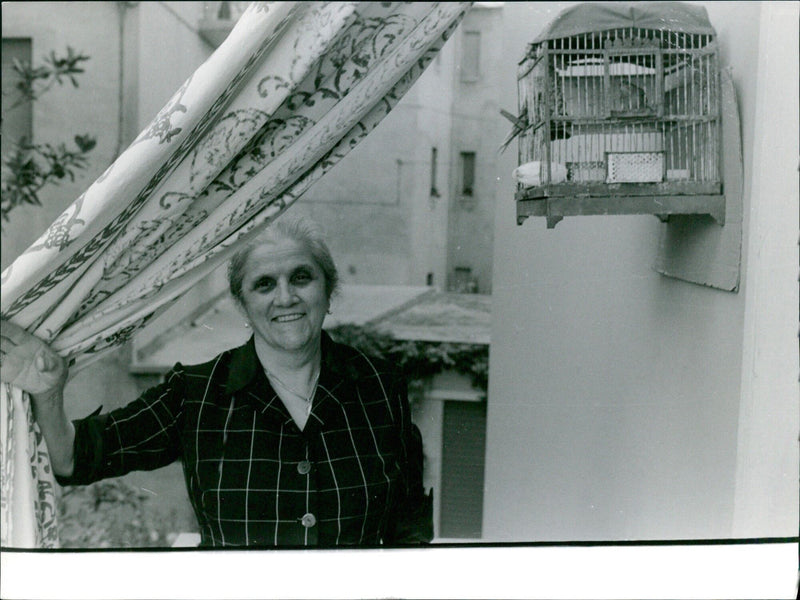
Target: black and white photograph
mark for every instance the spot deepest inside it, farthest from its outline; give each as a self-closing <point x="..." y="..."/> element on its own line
<point x="400" y="299"/>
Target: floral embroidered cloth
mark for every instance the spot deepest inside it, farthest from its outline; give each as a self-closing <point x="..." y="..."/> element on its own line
<point x="293" y="88"/>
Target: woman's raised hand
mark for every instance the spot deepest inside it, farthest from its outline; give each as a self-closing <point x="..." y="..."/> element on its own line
<point x="29" y="363"/>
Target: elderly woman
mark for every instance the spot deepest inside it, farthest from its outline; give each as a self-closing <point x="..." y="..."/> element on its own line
<point x="290" y="439"/>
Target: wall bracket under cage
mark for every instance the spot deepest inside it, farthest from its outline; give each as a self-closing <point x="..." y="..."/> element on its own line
<point x="695" y="248"/>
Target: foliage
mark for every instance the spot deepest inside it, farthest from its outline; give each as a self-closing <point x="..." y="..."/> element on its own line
<point x="419" y="360"/>
<point x="35" y="81"/>
<point x="30" y="166"/>
<point x="111" y="514"/>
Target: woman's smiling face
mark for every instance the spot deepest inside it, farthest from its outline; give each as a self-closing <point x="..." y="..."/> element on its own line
<point x="283" y="294"/>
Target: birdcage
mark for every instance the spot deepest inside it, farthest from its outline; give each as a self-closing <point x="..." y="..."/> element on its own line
<point x="619" y="107"/>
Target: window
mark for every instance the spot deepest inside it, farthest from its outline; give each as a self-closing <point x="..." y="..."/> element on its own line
<point x="471" y="56"/>
<point x="17" y="121"/>
<point x="224" y="12"/>
<point x="467" y="173"/>
<point x="434" y="159"/>
<point x="464" y="282"/>
<point x="463" y="459"/>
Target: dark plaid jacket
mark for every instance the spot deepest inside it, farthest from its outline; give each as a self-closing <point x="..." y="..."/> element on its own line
<point x="352" y="476"/>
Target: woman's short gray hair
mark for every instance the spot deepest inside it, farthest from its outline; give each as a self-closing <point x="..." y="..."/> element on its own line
<point x="298" y="229"/>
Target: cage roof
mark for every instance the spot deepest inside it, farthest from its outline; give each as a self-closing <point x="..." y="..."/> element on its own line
<point x="590" y="17"/>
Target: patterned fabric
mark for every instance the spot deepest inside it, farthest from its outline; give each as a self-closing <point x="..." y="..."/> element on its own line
<point x="31" y="484"/>
<point x="353" y="475"/>
<point x="294" y="87"/>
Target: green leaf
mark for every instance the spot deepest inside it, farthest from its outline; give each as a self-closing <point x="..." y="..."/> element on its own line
<point x="85" y="142"/>
<point x="416" y="359"/>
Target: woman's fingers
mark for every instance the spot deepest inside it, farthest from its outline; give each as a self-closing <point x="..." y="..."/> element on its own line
<point x="47" y="361"/>
<point x="29" y="363"/>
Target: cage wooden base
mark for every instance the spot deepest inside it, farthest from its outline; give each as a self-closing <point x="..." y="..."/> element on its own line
<point x="540" y="202"/>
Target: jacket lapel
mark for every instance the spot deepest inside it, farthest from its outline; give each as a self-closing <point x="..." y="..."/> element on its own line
<point x="246" y="379"/>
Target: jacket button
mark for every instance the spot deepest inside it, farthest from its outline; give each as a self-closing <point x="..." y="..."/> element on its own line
<point x="308" y="520"/>
<point x="303" y="467"/>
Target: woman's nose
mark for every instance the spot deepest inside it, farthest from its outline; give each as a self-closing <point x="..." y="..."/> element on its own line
<point x="285" y="293"/>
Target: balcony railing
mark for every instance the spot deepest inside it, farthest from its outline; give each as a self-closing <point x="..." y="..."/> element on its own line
<point x="218" y="20"/>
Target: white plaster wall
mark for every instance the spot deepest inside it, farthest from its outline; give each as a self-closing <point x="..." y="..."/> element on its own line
<point x="614" y="392"/>
<point x="766" y="497"/>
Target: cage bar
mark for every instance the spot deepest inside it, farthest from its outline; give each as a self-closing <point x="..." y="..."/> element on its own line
<point x="655" y="94"/>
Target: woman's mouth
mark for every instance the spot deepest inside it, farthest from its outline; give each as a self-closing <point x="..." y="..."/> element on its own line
<point x="288" y="318"/>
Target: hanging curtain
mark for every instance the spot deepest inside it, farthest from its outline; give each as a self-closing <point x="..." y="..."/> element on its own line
<point x="294" y="87"/>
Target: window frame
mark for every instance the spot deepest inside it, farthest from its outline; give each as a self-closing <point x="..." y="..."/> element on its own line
<point x="469" y="72"/>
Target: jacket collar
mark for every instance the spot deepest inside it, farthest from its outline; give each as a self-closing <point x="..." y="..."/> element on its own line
<point x="244" y="364"/>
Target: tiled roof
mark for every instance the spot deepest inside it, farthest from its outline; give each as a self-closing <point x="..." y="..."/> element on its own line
<point x="442" y="317"/>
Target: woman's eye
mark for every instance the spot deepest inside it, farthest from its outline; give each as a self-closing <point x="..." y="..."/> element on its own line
<point x="264" y="285"/>
<point x="301" y="277"/>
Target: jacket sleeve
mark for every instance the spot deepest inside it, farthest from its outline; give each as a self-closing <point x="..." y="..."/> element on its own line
<point x="411" y="521"/>
<point x="142" y="435"/>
